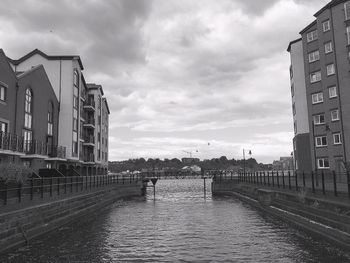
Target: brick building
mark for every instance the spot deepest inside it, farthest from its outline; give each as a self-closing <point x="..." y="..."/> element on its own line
<point x="320" y="60"/>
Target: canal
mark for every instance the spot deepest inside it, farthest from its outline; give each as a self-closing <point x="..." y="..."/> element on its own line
<point x="179" y="226"/>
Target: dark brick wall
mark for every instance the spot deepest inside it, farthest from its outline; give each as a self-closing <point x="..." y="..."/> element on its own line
<point x="27" y="223"/>
<point x="39" y="83"/>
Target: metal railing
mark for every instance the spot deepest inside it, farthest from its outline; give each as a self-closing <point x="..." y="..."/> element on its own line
<point x="47" y="187"/>
<point x="11" y="142"/>
<point x="323" y="182"/>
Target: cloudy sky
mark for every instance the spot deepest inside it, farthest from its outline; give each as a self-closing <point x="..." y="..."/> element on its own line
<point x="203" y="76"/>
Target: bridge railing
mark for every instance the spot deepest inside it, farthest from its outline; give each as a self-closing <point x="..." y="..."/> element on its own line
<point x="47" y="187"/>
<point x="324" y="182"/>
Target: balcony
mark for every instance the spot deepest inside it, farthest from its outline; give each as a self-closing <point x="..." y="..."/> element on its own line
<point x="89" y="105"/>
<point x="90" y="123"/>
<point x="89" y="141"/>
<point x="11" y="144"/>
<point x="55" y="151"/>
<point x="34" y="147"/>
<point x="89" y="158"/>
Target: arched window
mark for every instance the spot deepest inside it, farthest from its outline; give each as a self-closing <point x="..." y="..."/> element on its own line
<point x="50" y="119"/>
<point x="28" y="119"/>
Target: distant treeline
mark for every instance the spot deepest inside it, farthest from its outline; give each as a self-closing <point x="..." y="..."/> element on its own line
<point x="221" y="163"/>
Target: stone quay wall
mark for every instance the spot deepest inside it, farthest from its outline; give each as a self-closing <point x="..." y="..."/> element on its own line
<point x="22" y="223"/>
<point x="325" y="218"/>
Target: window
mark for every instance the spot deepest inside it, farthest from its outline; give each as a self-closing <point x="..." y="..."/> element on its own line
<point x="28" y="109"/>
<point x="317" y="98"/>
<point x="332" y="92"/>
<point x="311" y="36"/>
<point x="295" y="128"/>
<point x="2" y="93"/>
<point x="314" y="56"/>
<point x="330" y="69"/>
<point x="291" y="71"/>
<point x="3" y="127"/>
<point x="335" y="115"/>
<point x="337" y="138"/>
<point x="315" y="76"/>
<point x="319" y="119"/>
<point x="326" y="26"/>
<point x="348" y="34"/>
<point x="27" y="140"/>
<point x="328" y="47"/>
<point x="322" y="163"/>
<point x="292" y="90"/>
<point x="347" y="10"/>
<point x="294" y="110"/>
<point x="76" y="78"/>
<point x="321" y="141"/>
<point x="50" y="119"/>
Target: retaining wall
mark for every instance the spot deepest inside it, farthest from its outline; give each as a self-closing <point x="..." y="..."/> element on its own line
<point x="329" y="219"/>
<point x="19" y="226"/>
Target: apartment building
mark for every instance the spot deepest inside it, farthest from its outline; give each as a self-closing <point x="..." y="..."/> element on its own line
<point x="28" y="118"/>
<point x="301" y="140"/>
<point x="76" y="120"/>
<point x="324" y="48"/>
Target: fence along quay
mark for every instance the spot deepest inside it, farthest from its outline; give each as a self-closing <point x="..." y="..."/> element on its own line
<point x="43" y="204"/>
<point x="318" y="201"/>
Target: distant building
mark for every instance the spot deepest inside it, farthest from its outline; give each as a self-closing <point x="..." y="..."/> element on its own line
<point x="284" y="163"/>
<point x="189" y="160"/>
<point x="320" y="65"/>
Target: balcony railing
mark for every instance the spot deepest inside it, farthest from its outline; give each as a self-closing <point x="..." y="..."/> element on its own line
<point x="35" y="147"/>
<point x="90" y="157"/>
<point x="11" y="142"/>
<point x="89" y="104"/>
<point x="89" y="139"/>
<point x="56" y="151"/>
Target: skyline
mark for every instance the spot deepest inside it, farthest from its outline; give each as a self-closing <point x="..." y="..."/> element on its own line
<point x="175" y="74"/>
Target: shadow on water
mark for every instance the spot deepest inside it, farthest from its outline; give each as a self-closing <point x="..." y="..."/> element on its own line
<point x="178" y="226"/>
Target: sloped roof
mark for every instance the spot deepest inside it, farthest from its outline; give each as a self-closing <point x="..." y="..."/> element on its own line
<point x="39" y="52"/>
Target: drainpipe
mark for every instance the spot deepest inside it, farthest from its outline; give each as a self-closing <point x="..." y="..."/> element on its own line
<point x="15" y="124"/>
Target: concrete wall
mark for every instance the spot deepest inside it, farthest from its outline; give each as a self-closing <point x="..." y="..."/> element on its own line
<point x="327" y="219"/>
<point x="17" y="227"/>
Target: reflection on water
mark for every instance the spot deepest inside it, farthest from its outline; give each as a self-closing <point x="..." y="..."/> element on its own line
<point x="179" y="226"/>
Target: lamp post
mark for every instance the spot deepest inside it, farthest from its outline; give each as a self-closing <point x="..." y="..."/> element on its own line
<point x="250" y="153"/>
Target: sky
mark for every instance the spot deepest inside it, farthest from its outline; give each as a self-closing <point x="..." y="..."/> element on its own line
<point x="204" y="78"/>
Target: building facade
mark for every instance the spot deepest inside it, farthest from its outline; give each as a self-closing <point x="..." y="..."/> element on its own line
<point x="326" y="58"/>
<point x="28" y="118"/>
<point x="56" y="83"/>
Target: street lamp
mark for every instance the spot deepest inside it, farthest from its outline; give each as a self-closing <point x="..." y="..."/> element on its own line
<point x="250" y="153"/>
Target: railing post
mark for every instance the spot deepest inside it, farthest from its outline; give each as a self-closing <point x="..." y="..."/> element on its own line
<point x="304" y="180"/>
<point x="51" y="187"/>
<point x="58" y="186"/>
<point x="5" y="194"/>
<point x="19" y="192"/>
<point x="312" y="181"/>
<point x="296" y="181"/>
<point x="278" y="180"/>
<point x="273" y="180"/>
<point x="65" y="184"/>
<point x="348" y="181"/>
<point x="86" y="182"/>
<point x="31" y="188"/>
<point x="323" y="186"/>
<point x="76" y="183"/>
<point x="289" y="181"/>
<point x="71" y="184"/>
<point x="82" y="183"/>
<point x="268" y="178"/>
<point x="283" y="182"/>
<point x="42" y="187"/>
<point x="264" y="178"/>
<point x="335" y="183"/>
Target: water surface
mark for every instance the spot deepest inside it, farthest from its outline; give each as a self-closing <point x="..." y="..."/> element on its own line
<point x="179" y="226"/>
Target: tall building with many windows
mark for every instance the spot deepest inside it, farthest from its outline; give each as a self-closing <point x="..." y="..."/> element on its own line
<point x="79" y="107"/>
<point x="324" y="48"/>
